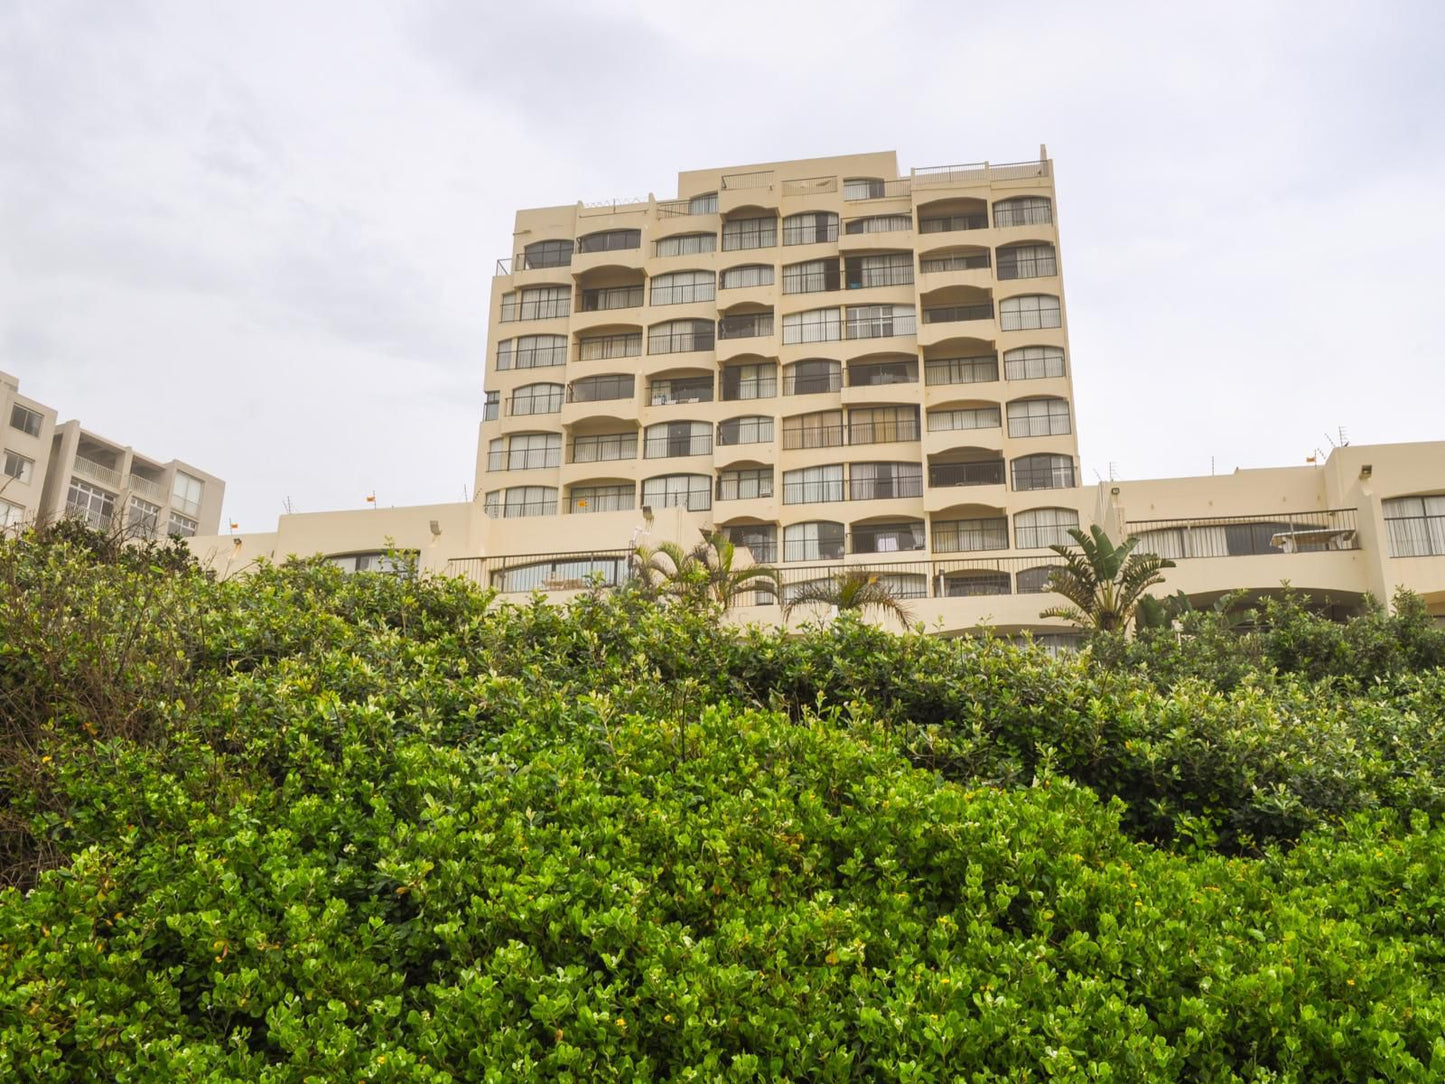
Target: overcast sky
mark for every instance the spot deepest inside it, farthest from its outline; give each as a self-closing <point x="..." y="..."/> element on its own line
<point x="260" y="237"/>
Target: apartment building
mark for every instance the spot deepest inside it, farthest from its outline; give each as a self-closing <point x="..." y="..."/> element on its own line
<point x="840" y="365"/>
<point x="56" y="469"/>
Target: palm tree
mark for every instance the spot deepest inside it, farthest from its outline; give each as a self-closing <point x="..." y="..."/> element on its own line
<point x="704" y="574"/>
<point x="1103" y="581"/>
<point x="856" y="589"/>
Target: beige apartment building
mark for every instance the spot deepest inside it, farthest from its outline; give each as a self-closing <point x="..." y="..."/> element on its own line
<point x="838" y="364"/>
<point x="54" y="469"/>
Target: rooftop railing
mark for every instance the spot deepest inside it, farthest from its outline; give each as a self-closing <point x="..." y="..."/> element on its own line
<point x="146" y="488"/>
<point x="880" y="190"/>
<point x="760" y="178"/>
<point x="979" y="172"/>
<point x="97" y="472"/>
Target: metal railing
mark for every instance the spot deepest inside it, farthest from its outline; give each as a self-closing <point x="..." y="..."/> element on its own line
<point x="534" y="309"/>
<point x="810" y="384"/>
<point x="731" y="487"/>
<point x="97" y="472"/>
<point x="810" y="186"/>
<point x="1248" y="536"/>
<point x="954" y="314"/>
<point x="754" y="387"/>
<point x="144" y="486"/>
<point x="507" y="459"/>
<point x="853" y="433"/>
<point x="810" y="233"/>
<point x="761" y="178"/>
<point x="882" y="375"/>
<point x="611" y="448"/>
<point x="603" y="347"/>
<point x="864" y="278"/>
<point x="985" y="473"/>
<point x="950" y="223"/>
<point x="522" y="509"/>
<point x="668" y="447"/>
<point x="1030" y="267"/>
<point x="939" y="372"/>
<point x="626" y="204"/>
<point x="881" y="327"/>
<point x="881" y="190"/>
<point x="680" y="342"/>
<point x="602" y="389"/>
<point x="979" y="172"/>
<point x="681" y="393"/>
<point x="957" y="262"/>
<point x="611" y="297"/>
<point x="1042" y="215"/>
<point x="747" y="326"/>
<point x="549" y="402"/>
<point x="610" y="241"/>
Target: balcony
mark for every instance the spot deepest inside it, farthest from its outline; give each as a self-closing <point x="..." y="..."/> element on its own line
<point x="681" y="392"/>
<point x="751" y="325"/>
<point x="860" y="189"/>
<point x="903" y="431"/>
<point x="957" y="314"/>
<point x="667" y="446"/>
<point x="147" y="488"/>
<point x="1248" y="536"/>
<point x="97" y="472"/>
<point x="608" y="448"/>
<point x="881" y="327"/>
<point x="984" y="472"/>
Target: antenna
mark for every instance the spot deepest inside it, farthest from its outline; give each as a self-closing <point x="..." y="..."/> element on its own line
<point x="1097" y="475"/>
<point x="1113" y="471"/>
<point x="289" y="505"/>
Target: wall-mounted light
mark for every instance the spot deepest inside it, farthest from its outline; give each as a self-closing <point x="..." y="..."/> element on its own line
<point x="1367" y="470"/>
<point x="436" y="529"/>
<point x="647" y="512"/>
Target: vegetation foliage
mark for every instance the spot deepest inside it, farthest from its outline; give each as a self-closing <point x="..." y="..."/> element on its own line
<point x="305" y="826"/>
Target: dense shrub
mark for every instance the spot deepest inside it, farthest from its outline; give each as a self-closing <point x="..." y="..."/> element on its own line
<point x="340" y="828"/>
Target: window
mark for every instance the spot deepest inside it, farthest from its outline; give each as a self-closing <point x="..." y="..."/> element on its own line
<point x="812" y="376"/>
<point x="387" y="563"/>
<point x="823" y="429"/>
<point x="967" y="472"/>
<point x="878" y="224"/>
<point x="863" y="188"/>
<point x="602" y="347"/>
<point x="669" y="439"/>
<point x="883" y="481"/>
<point x="1034" y="581"/>
<point x="1033" y="362"/>
<point x="670" y="391"/>
<point x="546" y="254"/>
<point x="681" y="287"/>
<point x="949" y="223"/>
<point x="687" y="244"/>
<point x="810" y="228"/>
<point x="970" y="583"/>
<point x="521" y="501"/>
<point x="1027" y="262"/>
<point x="1023" y="211"/>
<point x="821" y="540"/>
<point x="813" y="277"/>
<point x="531" y="352"/>
<point x="750" y="381"/>
<point x="88" y="503"/>
<point x="955" y="261"/>
<point x="886" y="269"/>
<point x="744" y="484"/>
<point x="879" y="321"/>
<point x="26" y="420"/>
<point x="968" y="535"/>
<point x="978" y="370"/>
<point x="537" y="303"/>
<point x="182" y="526"/>
<point x="680" y="337"/>
<point x="705" y="204"/>
<point x="746" y="325"/>
<point x="1038" y="418"/>
<point x="814" y="326"/>
<point x="1415" y="526"/>
<point x="610" y="498"/>
<point x="967" y="418"/>
<point x="888" y="537"/>
<point x="1043" y="527"/>
<point x="11" y="515"/>
<point x="813" y="484"/>
<point x="750" y="274"/>
<point x="18" y="467"/>
<point x="525" y="451"/>
<point x="761" y="540"/>
<point x="610" y="241"/>
<point x="536" y="399"/>
<point x="754" y="429"/>
<point x="607" y="298"/>
<point x="690" y="491"/>
<point x="491" y="406"/>
<point x="873" y="374"/>
<point x="1043" y="472"/>
<point x="142" y="519"/>
<point x="597" y="389"/>
<point x="604" y="447"/>
<point x="1029" y="312"/>
<point x="186" y="493"/>
<point x="882" y="425"/>
<point x="743" y="233"/>
<point x="564" y="574"/>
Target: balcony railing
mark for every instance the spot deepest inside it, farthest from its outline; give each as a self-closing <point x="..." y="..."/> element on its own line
<point x="938" y="372"/>
<point x="953" y="314"/>
<point x="523" y="459"/>
<point x="97" y="472"/>
<point x="762" y="387"/>
<point x="810" y="384"/>
<point x="679" y="342"/>
<point x="1032" y="267"/>
<point x="810" y="186"/>
<point x="864" y="278"/>
<point x="950" y="223"/>
<point x="882" y="327"/>
<point x="667" y="447"/>
<point x="1248" y="536"/>
<point x="608" y="449"/>
<point x="881" y="376"/>
<point x="980" y="172"/>
<point x="611" y="297"/>
<point x="828" y="490"/>
<point x="854" y="433"/>
<point x="536" y="310"/>
<point x="146" y="488"/>
<point x="748" y="326"/>
<point x="1415" y="536"/>
<point x="985" y="473"/>
<point x="976" y="262"/>
<point x="603" y="389"/>
<point x="761" y="178"/>
<point x="880" y="190"/>
<point x="541" y="403"/>
<point x="678" y="394"/>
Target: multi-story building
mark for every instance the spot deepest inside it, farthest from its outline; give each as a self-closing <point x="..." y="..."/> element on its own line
<point x="839" y="366"/>
<point x="53" y="470"/>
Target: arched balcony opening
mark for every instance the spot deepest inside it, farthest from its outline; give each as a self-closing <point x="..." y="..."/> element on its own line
<point x="966" y="466"/>
<point x="957" y="305"/>
<point x="601" y="495"/>
<point x="1026" y="260"/>
<point x="885" y="535"/>
<point x="952" y="215"/>
<point x="1023" y="211"/>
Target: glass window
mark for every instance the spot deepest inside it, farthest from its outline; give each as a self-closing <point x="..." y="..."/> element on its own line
<point x="18" y="467"/>
<point x="609" y="498"/>
<point x="1040" y="528"/>
<point x="968" y="583"/>
<point x="596" y="389"/>
<point x="610" y="241"/>
<point x="687" y="244"/>
<point x="810" y="227"/>
<point x="888" y="537"/>
<point x="186" y="493"/>
<point x="1034" y="581"/>
<point x="949" y="223"/>
<point x="705" y="204"/>
<point x="1033" y="362"/>
<point x="536" y="399"/>
<point x="680" y="337"/>
<point x="604" y="447"/>
<point x="760" y="539"/>
<point x="525" y="451"/>
<point x="977" y="370"/>
<point x="812" y="277"/>
<point x="967" y="535"/>
<point x="628" y="344"/>
<point x="1038" y="417"/>
<point x="182" y="526"/>
<point x="1027" y="262"/>
<point x="752" y="274"/>
<point x="554" y="253"/>
<point x="743" y="233"/>
<point x="1415" y="526"/>
<point x="745" y="483"/>
<point x="532" y="352"/>
<point x="26" y="420"/>
<point x="668" y="439"/>
<point x="884" y="481"/>
<point x="753" y="429"/>
<point x="813" y="376"/>
<point x="821" y="540"/>
<point x="967" y="418"/>
<point x="879" y="224"/>
<point x="882" y="425"/>
<point x="491" y="406"/>
<point x="681" y="287"/>
<point x="880" y="321"/>
<point x="758" y="381"/>
<point x="1023" y="211"/>
<point x="11" y="515"/>
<point x="521" y="501"/>
<point x="537" y="303"/>
<point x="560" y="574"/>
<point x="873" y="374"/>
<point x="955" y="261"/>
<point x="815" y="326"/>
<point x="1043" y="472"/>
<point x="812" y="485"/>
<point x="142" y="519"/>
<point x="670" y="391"/>
<point x="822" y="429"/>
<point x="690" y="491"/>
<point x="606" y="298"/>
<point x="863" y="188"/>
<point x="1029" y="312"/>
<point x="885" y="269"/>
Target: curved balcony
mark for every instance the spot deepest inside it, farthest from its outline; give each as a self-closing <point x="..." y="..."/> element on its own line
<point x="978" y="470"/>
